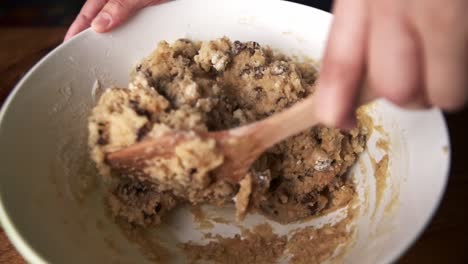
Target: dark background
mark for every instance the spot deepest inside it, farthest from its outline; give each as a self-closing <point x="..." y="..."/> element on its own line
<point x="62" y="12"/>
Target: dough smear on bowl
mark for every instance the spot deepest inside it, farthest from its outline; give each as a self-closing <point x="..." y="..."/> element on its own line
<point x="210" y="86"/>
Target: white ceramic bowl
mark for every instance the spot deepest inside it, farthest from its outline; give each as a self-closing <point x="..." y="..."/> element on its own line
<point x="48" y="204"/>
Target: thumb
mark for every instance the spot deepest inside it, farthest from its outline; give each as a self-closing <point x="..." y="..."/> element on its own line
<point x="115" y="12"/>
<point x="343" y="65"/>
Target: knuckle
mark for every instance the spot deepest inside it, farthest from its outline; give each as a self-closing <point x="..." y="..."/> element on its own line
<point x="83" y="17"/>
<point x="120" y="4"/>
<point x="153" y="2"/>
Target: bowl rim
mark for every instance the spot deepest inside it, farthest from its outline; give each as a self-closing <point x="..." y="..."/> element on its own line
<point x="400" y="250"/>
<point x="32" y="256"/>
<point x="12" y="232"/>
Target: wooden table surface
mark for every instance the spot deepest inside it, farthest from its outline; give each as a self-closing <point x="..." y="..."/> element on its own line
<point x="444" y="241"/>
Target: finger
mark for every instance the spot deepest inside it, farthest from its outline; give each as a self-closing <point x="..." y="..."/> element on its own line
<point x="343" y="64"/>
<point x="83" y="21"/>
<point x="446" y="57"/>
<point x="394" y="62"/>
<point x="115" y="12"/>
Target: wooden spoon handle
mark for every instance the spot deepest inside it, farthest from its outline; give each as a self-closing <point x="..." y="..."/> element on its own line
<point x="297" y="118"/>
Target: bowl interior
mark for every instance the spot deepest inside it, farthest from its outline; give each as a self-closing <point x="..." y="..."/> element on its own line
<point x="50" y="205"/>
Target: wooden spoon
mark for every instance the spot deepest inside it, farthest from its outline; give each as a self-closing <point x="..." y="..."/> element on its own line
<point x="240" y="146"/>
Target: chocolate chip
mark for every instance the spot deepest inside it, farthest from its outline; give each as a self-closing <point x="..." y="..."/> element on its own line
<point x="307" y="198"/>
<point x="255" y="45"/>
<point x="133" y="104"/>
<point x="259" y="72"/>
<point x="132" y="188"/>
<point x="158" y="208"/>
<point x="174" y="75"/>
<point x="138" y="67"/>
<point x="143" y="131"/>
<point x="147" y="216"/>
<point x="148" y="73"/>
<point x="246" y="70"/>
<point x="275" y="183"/>
<point x="140" y="188"/>
<point x="279" y="68"/>
<point x="186" y="61"/>
<point x="185" y="40"/>
<point x="193" y="171"/>
<point x="102" y="141"/>
<point x="259" y="92"/>
<point x="140" y="111"/>
<point x="252" y="46"/>
<point x="279" y="100"/>
<point x="103" y="137"/>
<point x="238" y="47"/>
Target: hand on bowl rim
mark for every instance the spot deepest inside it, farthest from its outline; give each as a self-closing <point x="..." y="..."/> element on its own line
<point x="105" y="15"/>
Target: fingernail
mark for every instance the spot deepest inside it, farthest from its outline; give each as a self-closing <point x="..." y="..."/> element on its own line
<point x="70" y="33"/>
<point x="67" y="37"/>
<point x="102" y="22"/>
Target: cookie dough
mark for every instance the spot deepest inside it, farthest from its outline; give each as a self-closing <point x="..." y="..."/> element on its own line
<point x="259" y="245"/>
<point x="209" y="86"/>
<point x="308" y="245"/>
